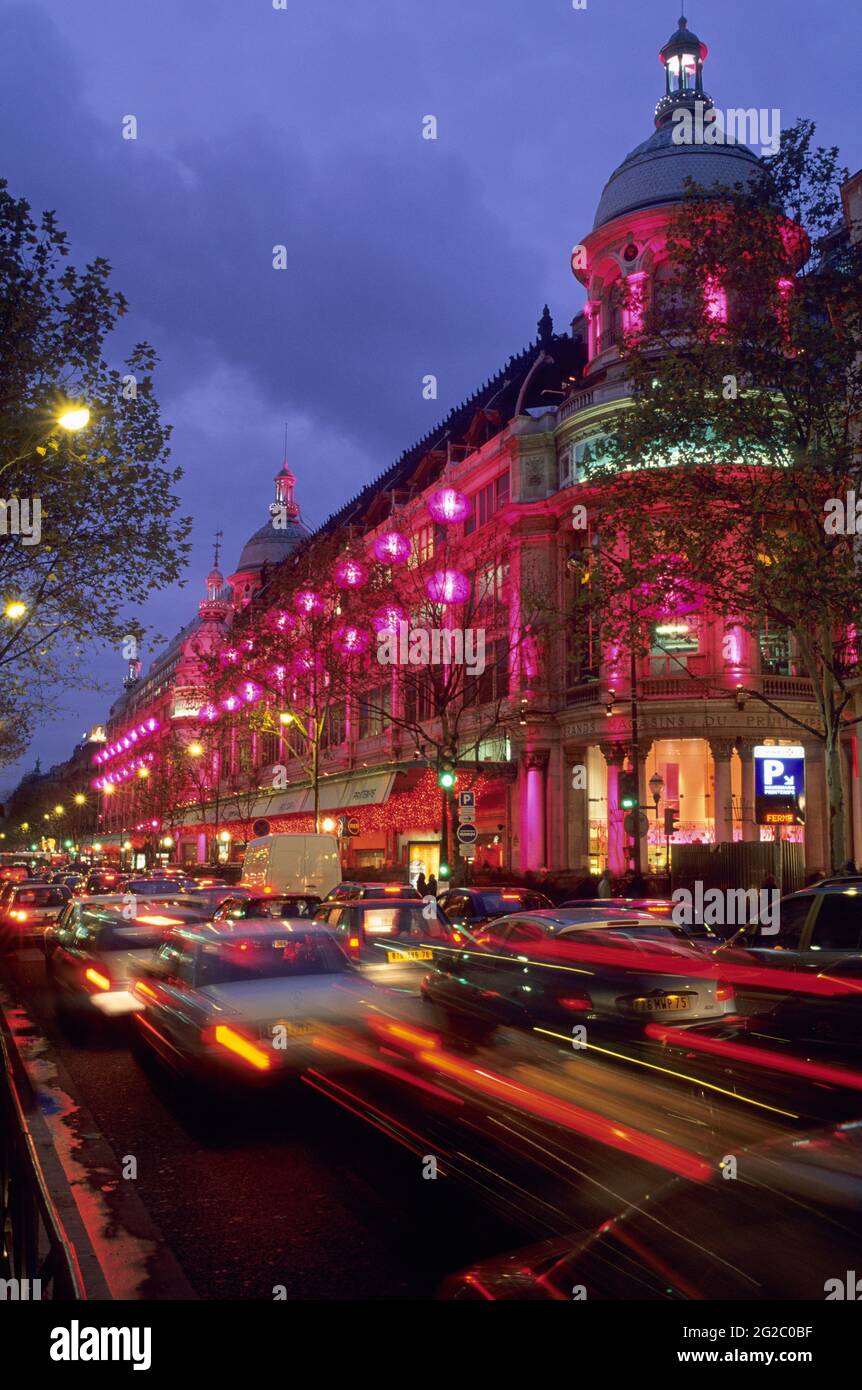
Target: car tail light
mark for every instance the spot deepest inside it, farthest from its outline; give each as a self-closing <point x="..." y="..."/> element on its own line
<point x="223" y="1036"/>
<point x="576" y="1003"/>
<point x="144" y="988"/>
<point x="723" y="992"/>
<point x="19" y="914"/>
<point x="97" y="979"/>
<point x="156" y="921"/>
<point x="392" y="889"/>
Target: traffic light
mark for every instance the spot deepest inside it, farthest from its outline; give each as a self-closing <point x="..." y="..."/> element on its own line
<point x="444" y="871"/>
<point x="446" y="774"/>
<point x="628" y="791"/>
<point x="670" y="816"/>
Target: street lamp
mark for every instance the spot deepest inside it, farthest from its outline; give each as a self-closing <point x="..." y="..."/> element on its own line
<point x="195" y="750"/>
<point x="58" y="810"/>
<point x="656" y="786"/>
<point x="74" y="418"/>
<point x="15" y="609"/>
<point x="80" y="799"/>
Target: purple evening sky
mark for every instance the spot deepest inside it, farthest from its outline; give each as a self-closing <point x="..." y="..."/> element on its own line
<point x="406" y="256"/>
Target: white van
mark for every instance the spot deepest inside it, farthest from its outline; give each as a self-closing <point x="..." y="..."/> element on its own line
<point x="292" y="864"/>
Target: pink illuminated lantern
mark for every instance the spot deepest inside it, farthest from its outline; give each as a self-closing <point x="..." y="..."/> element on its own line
<point x="391" y="548"/>
<point x="351" y="640"/>
<point x="308" y="602"/>
<point x="250" y="692"/>
<point x="448" y="506"/>
<point x="208" y="714"/>
<point x="229" y="657"/>
<point x="278" y="620"/>
<point x="231" y="703"/>
<point x="447" y="586"/>
<point x="387" y="619"/>
<point x="350" y="574"/>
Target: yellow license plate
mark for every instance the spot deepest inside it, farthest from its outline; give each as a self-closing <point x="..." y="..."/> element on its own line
<point x="293" y="1029"/>
<point x="662" y="1002"/>
<point x="395" y="956"/>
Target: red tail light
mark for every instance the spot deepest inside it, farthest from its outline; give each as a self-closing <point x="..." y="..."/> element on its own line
<point x="576" y="1003"/>
<point x="723" y="992"/>
<point x="238" y="1044"/>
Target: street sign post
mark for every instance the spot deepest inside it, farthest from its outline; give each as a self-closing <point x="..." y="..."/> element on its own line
<point x="467" y="834"/>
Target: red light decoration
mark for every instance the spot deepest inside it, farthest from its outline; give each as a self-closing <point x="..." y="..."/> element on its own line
<point x="350" y="574"/>
<point x="391" y="548"/>
<point x="447" y="586"/>
<point x="386" y="619"/>
<point x="351" y="641"/>
<point x="448" y="506"/>
<point x="308" y="602"/>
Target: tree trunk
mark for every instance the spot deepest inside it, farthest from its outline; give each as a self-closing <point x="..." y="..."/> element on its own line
<point x="835" y="795"/>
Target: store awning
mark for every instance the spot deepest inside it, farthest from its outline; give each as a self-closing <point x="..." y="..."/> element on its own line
<point x="336" y="794"/>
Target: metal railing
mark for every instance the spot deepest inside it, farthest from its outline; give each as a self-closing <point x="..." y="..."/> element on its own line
<point x="34" y="1245"/>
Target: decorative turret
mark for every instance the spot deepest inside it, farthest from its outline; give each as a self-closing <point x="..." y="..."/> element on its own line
<point x="285" y="483"/>
<point x="683" y="57"/>
<point x="214" y="608"/>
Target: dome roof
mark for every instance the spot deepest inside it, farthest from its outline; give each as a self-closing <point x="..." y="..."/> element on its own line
<point x="656" y="172"/>
<point x="271" y="544"/>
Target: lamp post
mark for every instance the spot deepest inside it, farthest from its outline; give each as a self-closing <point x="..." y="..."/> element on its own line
<point x="656" y="786"/>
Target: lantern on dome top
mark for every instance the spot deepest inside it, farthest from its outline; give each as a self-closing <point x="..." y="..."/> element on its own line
<point x="386" y="619"/>
<point x="308" y="602"/>
<point x="448" y="505"/>
<point x="351" y="640"/>
<point x="350" y="574"/>
<point x="391" y="548"/>
<point x="447" y="586"/>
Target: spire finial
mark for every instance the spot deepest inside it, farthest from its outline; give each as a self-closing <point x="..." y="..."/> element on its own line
<point x="217" y="548"/>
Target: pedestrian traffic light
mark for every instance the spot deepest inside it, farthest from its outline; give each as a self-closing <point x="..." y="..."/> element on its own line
<point x="628" y="791"/>
<point x="444" y="870"/>
<point x="446" y="774"/>
<point x="670" y="816"/>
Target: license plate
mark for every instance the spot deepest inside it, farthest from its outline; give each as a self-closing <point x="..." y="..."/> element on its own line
<point x="658" y="1003"/>
<point x="395" y="956"/>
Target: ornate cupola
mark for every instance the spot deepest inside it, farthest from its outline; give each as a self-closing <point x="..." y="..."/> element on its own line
<point x="683" y="57"/>
<point x="215" y="607"/>
<point x="285" y="483"/>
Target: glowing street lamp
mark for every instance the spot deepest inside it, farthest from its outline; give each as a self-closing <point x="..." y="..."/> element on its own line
<point x="80" y="799"/>
<point x="195" y="750"/>
<point x="286" y="717"/>
<point x="15" y="609"/>
<point x="74" y="418"/>
<point x="59" y="810"/>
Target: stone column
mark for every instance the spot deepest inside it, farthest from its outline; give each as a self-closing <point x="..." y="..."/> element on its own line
<point x="559" y="775"/>
<point x="750" y="828"/>
<point x="816" y="809"/>
<point x="614" y="756"/>
<point x="722" y="812"/>
<point x="578" y="810"/>
<point x="533" y="809"/>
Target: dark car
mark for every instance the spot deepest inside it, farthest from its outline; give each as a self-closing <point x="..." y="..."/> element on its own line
<point x="343" y="892"/>
<point x="94" y="956"/>
<point x="551" y="969"/>
<point x="240" y="907"/>
<point x="237" y="1006"/>
<point x="28" y="908"/>
<point x="473" y="908"/>
<point x="156" y="886"/>
<point x="394" y="940"/>
<point x="784" y="1228"/>
<point x="101" y="880"/>
<point x="660" y="909"/>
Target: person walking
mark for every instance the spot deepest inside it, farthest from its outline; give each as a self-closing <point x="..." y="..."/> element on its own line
<point x="604" y="888"/>
<point x="421" y="885"/>
<point x="431" y="887"/>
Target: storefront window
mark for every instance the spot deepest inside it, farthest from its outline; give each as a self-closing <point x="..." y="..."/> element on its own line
<point x="672" y="642"/>
<point x="775" y="651"/>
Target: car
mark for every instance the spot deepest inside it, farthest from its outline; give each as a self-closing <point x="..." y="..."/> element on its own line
<point x="71" y="880"/>
<point x="816" y="926"/>
<point x="473" y="908"/>
<point x="210" y="897"/>
<point x="101" y="880"/>
<point x="28" y="909"/>
<point x="15" y="873"/>
<point x="551" y="969"/>
<point x="785" y="1228"/>
<point x="657" y="909"/>
<point x="157" y="886"/>
<point x="224" y="1005"/>
<point x="158" y="913"/>
<point x="96" y="953"/>
<point x="351" y="892"/>
<point x="393" y="941"/>
<point x="236" y="907"/>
